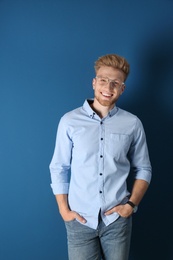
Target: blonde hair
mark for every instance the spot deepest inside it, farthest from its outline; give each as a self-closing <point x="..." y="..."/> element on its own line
<point x="114" y="61"/>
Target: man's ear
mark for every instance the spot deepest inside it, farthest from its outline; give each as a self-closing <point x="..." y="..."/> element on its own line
<point x="123" y="88"/>
<point x="93" y="83"/>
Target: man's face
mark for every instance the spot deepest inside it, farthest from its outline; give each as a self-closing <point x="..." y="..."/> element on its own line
<point x="108" y="86"/>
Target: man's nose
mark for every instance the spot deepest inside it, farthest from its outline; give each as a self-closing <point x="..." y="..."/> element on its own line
<point x="110" y="85"/>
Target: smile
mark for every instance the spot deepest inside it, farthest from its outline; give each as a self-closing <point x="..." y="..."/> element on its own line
<point x="106" y="94"/>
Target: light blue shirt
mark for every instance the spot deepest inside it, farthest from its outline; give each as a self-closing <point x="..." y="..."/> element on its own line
<point x="99" y="154"/>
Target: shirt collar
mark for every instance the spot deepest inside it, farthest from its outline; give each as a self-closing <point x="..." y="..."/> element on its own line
<point x="91" y="113"/>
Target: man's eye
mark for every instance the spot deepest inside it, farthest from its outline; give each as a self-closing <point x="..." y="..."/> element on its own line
<point x="115" y="83"/>
<point x="103" y="80"/>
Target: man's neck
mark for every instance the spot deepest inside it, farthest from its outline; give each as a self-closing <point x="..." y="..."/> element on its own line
<point x="102" y="111"/>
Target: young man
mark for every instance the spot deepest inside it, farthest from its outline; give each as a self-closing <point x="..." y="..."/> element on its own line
<point x="100" y="143"/>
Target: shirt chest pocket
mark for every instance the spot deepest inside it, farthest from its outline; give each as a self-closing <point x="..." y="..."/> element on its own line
<point x="118" y="145"/>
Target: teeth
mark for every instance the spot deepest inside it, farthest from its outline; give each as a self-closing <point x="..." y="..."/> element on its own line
<point x="107" y="95"/>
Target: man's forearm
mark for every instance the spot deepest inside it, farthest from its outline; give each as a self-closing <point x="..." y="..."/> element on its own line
<point x="62" y="201"/>
<point x="138" y="191"/>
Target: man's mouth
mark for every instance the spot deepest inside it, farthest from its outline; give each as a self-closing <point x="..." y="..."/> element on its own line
<point x="107" y="95"/>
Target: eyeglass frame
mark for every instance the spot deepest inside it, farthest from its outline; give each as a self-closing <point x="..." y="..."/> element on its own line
<point x="114" y="83"/>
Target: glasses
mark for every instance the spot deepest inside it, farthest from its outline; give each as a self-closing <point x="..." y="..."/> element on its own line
<point x="104" y="81"/>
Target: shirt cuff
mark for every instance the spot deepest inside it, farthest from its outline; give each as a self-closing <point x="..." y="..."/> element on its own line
<point x="60" y="188"/>
<point x="146" y="176"/>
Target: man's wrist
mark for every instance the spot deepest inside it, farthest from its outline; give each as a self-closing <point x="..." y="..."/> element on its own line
<point x="135" y="208"/>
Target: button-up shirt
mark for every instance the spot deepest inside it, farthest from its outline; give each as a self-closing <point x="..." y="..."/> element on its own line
<point x="93" y="157"/>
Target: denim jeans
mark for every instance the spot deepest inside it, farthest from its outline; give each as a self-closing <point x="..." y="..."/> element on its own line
<point x="106" y="242"/>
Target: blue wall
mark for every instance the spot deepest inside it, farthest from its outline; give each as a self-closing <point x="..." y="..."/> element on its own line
<point x="47" y="51"/>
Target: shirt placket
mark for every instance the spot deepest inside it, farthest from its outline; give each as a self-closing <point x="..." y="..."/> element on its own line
<point x="101" y="162"/>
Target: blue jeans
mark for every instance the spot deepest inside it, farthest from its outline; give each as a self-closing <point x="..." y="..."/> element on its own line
<point x="106" y="242"/>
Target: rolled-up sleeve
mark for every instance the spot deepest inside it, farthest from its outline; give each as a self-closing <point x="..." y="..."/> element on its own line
<point x="60" y="163"/>
<point x="139" y="154"/>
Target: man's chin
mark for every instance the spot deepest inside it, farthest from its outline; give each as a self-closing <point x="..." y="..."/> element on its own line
<point x="106" y="103"/>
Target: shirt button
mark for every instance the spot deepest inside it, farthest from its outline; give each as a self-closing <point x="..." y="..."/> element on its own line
<point x="101" y="139"/>
<point x="101" y="123"/>
<point x="101" y="174"/>
<point x="100" y="191"/>
<point x="101" y="156"/>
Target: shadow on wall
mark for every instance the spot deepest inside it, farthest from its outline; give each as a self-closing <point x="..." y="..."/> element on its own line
<point x="152" y="232"/>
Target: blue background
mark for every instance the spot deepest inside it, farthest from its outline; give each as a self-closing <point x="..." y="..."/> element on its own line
<point x="47" y="53"/>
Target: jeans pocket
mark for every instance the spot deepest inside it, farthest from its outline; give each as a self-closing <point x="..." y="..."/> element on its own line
<point x="69" y="221"/>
